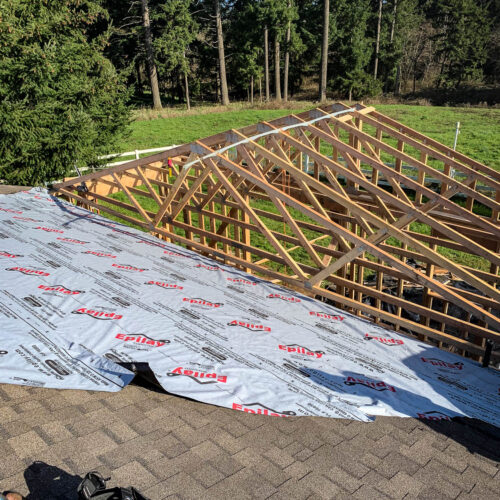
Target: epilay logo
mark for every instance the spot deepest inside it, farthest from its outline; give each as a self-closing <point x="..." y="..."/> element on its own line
<point x="282" y="297"/>
<point x="42" y="198"/>
<point x="443" y="364"/>
<point x="240" y="280"/>
<point x="69" y="240"/>
<point x="10" y="210"/>
<point x="25" y="219"/>
<point x="175" y="254"/>
<point x="129" y="268"/>
<point x="326" y="316"/>
<point x="214" y="378"/>
<point x="164" y="285"/>
<point x="383" y="340"/>
<point x="142" y="339"/>
<point x="263" y="410"/>
<point x="27" y="271"/>
<point x="97" y="314"/>
<point x="210" y="268"/>
<point x="433" y="415"/>
<point x="61" y="289"/>
<point x="301" y="350"/>
<point x="49" y="229"/>
<point x="202" y="302"/>
<point x="249" y="326"/>
<point x="376" y="385"/>
<point x="9" y="255"/>
<point x="101" y="254"/>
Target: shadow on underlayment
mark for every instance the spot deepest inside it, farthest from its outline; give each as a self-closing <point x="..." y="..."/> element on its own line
<point x="477" y="436"/>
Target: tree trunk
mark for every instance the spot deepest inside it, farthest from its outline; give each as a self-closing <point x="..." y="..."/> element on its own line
<point x="251" y="89"/>
<point x="397" y="90"/>
<point x="287" y="59"/>
<point x="377" y="43"/>
<point x="324" y="50"/>
<point x="180" y="90"/>
<point x="153" y="76"/>
<point x="222" y="60"/>
<point x="277" y="79"/>
<point x="266" y="61"/>
<point x="217" y="85"/>
<point x="393" y="23"/>
<point x="391" y="40"/>
<point x="186" y="87"/>
<point x="260" y="89"/>
<point x="138" y="85"/>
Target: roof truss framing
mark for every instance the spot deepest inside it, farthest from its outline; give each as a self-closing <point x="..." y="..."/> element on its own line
<point x="387" y="224"/>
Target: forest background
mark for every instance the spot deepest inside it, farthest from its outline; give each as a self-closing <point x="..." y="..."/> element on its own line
<point x="74" y="72"/>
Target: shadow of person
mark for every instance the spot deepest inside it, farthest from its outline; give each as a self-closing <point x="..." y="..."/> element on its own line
<point x="475" y="435"/>
<point x="48" y="482"/>
<point x="470" y="388"/>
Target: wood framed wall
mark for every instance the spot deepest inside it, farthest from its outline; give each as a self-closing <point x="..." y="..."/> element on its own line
<point x="341" y="203"/>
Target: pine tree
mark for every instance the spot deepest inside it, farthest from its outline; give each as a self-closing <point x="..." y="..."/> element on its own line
<point x="175" y="30"/>
<point x="351" y="49"/>
<point x="463" y="39"/>
<point x="276" y="16"/>
<point x="61" y="101"/>
<point x="244" y="39"/>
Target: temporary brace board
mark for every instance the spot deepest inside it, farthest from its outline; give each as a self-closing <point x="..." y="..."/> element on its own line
<point x="80" y="293"/>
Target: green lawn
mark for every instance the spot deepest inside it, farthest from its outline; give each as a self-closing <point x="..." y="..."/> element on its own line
<point x="479" y="137"/>
<point x="182" y="129"/>
<point x="479" y="128"/>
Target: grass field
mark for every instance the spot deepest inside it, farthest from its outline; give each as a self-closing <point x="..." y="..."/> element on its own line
<point x="479" y="137"/>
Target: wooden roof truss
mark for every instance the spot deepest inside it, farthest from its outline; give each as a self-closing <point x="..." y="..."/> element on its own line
<point x="341" y="203"/>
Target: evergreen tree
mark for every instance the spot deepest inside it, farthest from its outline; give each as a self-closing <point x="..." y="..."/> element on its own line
<point x="175" y="30"/>
<point x="306" y="58"/>
<point x="492" y="66"/>
<point x="61" y="101"/>
<point x="464" y="29"/>
<point x="400" y="34"/>
<point x="245" y="44"/>
<point x="352" y="49"/>
<point x="278" y="16"/>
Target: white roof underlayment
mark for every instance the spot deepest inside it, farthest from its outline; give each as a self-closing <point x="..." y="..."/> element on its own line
<point x="80" y="293"/>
